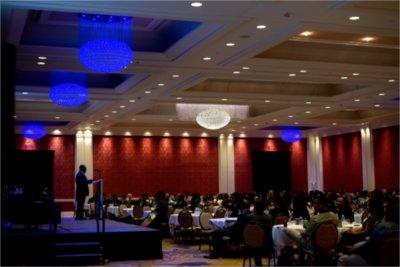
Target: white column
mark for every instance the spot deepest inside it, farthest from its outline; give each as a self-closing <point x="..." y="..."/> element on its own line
<point x="226" y="164"/>
<point x="367" y="155"/>
<point x="314" y="163"/>
<point x="84" y="154"/>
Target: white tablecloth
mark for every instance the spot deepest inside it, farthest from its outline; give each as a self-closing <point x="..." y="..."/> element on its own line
<point x="173" y="219"/>
<point x="113" y="210"/>
<point x="221" y="223"/>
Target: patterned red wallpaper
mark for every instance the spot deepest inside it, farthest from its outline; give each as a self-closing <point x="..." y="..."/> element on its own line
<point x="149" y="164"/>
<point x="243" y="160"/>
<point x="64" y="160"/>
<point x="342" y="162"/>
<point x="386" y="157"/>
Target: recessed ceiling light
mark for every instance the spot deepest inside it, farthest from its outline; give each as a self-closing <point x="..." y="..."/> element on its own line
<point x="355" y="74"/>
<point x="275" y="120"/>
<point x="147" y="133"/>
<point x="57" y="118"/>
<point x="175" y="75"/>
<point x="132" y="100"/>
<point x="391" y="81"/>
<point x="160" y="84"/>
<point x="357" y="100"/>
<point x="377" y="105"/>
<point x="186" y="134"/>
<point x="308" y="112"/>
<point x="196" y="4"/>
<point x="296" y="122"/>
<point x="261" y="26"/>
<point x="354" y="18"/>
<point x="179" y="98"/>
<point x="147" y="92"/>
<point x="292" y="74"/>
<point x="236" y="72"/>
<point x="114" y="111"/>
<point x="133" y="119"/>
<point x="243" y="127"/>
<point x="41" y="63"/>
<point x="107" y="133"/>
<point x="327" y="107"/>
<point x="106" y="116"/>
<point x="255" y="124"/>
<point x="206" y="58"/>
<point x="270" y="136"/>
<point x="233" y="130"/>
<point x="25" y="93"/>
<point x="245" y="68"/>
<point x="303" y="71"/>
<point x="92" y="124"/>
<point x="122" y="106"/>
<point x="56" y="132"/>
<point x="204" y="134"/>
<point x="308" y="102"/>
<point x="97" y="121"/>
<point x="242" y="135"/>
<point x="167" y="134"/>
<point x="306" y="33"/>
<point x="333" y="123"/>
<point x="290" y="116"/>
<point x="381" y="94"/>
<point x="15" y="116"/>
<point x="224" y="99"/>
<point x="344" y="78"/>
<point x="230" y="44"/>
<point x="368" y="39"/>
<point x="42" y="58"/>
<point x="267" y="101"/>
<point x="128" y="133"/>
<point x="239" y="121"/>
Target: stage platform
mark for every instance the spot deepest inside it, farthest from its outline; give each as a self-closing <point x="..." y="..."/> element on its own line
<point x="120" y="241"/>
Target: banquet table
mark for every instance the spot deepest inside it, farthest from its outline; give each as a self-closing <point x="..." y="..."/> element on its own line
<point x="222" y="223"/>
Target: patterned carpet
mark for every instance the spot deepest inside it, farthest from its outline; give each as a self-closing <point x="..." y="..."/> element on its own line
<point x="182" y="255"/>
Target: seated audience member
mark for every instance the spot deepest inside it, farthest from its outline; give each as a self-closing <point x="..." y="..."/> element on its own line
<point x="235" y="232"/>
<point x="128" y="201"/>
<point x="367" y="253"/>
<point x="343" y="209"/>
<point x="300" y="206"/>
<point x="239" y="206"/>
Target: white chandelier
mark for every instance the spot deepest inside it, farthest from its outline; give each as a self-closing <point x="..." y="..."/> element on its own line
<point x="213" y="119"/>
<point x="211" y="116"/>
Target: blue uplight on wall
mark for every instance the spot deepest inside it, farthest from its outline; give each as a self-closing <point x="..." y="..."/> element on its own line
<point x="291" y="135"/>
<point x="105" y="42"/>
<point x="105" y="56"/>
<point x="68" y="94"/>
<point x="33" y="130"/>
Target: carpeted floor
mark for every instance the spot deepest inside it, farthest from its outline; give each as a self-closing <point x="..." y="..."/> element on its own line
<point x="184" y="255"/>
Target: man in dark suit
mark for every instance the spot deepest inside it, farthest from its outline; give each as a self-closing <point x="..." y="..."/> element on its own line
<point x="82" y="190"/>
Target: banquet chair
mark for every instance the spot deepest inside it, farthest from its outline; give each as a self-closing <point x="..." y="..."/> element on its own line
<point x="324" y="243"/>
<point x="137" y="214"/>
<point x="185" y="228"/>
<point x="257" y="242"/>
<point x="281" y="219"/>
<point x="388" y="254"/>
<point x="206" y="230"/>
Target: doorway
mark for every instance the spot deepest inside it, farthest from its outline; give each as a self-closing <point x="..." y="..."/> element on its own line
<point x="271" y="170"/>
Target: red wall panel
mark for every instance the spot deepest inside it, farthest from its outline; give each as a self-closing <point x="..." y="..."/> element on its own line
<point x="342" y="162"/>
<point x="149" y="164"/>
<point x="386" y="157"/>
<point x="64" y="160"/>
<point x="243" y="160"/>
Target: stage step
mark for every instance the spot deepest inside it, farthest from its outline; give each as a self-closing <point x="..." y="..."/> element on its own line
<point x="78" y="253"/>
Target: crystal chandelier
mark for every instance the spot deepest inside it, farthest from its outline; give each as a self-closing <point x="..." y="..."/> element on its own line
<point x="68" y="94"/>
<point x="213" y="119"/>
<point x="291" y="135"/>
<point x="33" y="130"/>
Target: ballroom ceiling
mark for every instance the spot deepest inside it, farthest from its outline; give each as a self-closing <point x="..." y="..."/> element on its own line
<point x="312" y="65"/>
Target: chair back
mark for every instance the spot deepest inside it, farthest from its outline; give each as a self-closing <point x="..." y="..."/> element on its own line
<point x="92" y="208"/>
<point x="281" y="219"/>
<point x="254" y="236"/>
<point x="388" y="254"/>
<point x="364" y="215"/>
<point x="204" y="220"/>
<point x="185" y="219"/>
<point x="220" y="213"/>
<point x="137" y="212"/>
<point x="121" y="210"/>
<point x="325" y="237"/>
<point x="177" y="211"/>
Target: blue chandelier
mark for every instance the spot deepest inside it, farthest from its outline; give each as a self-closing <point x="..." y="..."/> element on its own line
<point x="33" y="130"/>
<point x="291" y="135"/>
<point x="105" y="43"/>
<point x="68" y="94"/>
